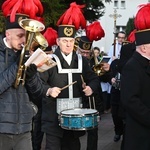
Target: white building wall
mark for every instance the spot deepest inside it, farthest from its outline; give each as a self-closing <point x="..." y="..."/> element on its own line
<point x="131" y="7"/>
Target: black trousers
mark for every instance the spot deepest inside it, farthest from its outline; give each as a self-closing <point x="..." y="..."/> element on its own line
<point x="67" y="142"/>
<point x="92" y="139"/>
<point x="116" y="111"/>
<point x="37" y="134"/>
<point x="117" y="120"/>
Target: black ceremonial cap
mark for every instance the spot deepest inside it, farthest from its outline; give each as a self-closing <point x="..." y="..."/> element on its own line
<point x="66" y="31"/>
<point x="142" y="37"/>
<point x="15" y="24"/>
<point x="85" y="43"/>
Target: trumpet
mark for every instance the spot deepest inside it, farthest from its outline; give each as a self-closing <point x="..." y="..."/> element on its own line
<point x="33" y="29"/>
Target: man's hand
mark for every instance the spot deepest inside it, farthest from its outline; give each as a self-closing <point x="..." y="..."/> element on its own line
<point x="106" y="66"/>
<point x="53" y="92"/>
<point x="88" y="91"/>
<point x="113" y="80"/>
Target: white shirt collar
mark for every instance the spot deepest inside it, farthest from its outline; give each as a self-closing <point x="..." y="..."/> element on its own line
<point x="5" y="42"/>
<point x="68" y="58"/>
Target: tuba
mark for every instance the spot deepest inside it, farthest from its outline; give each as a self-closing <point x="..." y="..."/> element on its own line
<point x="33" y="35"/>
<point x="98" y="67"/>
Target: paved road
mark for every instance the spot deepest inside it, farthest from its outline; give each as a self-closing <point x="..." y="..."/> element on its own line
<point x="106" y="134"/>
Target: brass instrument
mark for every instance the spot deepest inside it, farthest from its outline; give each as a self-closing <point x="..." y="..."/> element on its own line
<point x="126" y="42"/>
<point x="33" y="29"/>
<point x="98" y="67"/>
<point x="39" y="41"/>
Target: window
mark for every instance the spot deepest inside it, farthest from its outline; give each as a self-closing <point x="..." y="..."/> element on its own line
<point x="116" y="4"/>
<point x="123" y="4"/>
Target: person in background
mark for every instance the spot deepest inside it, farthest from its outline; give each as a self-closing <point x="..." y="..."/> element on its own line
<point x="104" y="78"/>
<point x="114" y="51"/>
<point x="116" y="108"/>
<point x="85" y="49"/>
<point x="127" y="50"/>
<point x="114" y="93"/>
<point x="37" y="134"/>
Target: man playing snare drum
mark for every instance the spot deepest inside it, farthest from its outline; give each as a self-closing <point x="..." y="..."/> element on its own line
<point x="70" y="67"/>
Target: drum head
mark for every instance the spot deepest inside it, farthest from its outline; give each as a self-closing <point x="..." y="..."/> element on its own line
<point x="78" y="111"/>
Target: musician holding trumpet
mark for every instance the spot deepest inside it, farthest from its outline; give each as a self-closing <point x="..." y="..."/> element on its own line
<point x="16" y="109"/>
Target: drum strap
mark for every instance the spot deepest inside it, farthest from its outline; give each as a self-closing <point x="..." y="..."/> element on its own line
<point x="69" y="72"/>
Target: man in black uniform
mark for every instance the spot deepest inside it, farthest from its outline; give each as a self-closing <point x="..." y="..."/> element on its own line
<point x="85" y="49"/>
<point x="135" y="94"/>
<point x="70" y="67"/>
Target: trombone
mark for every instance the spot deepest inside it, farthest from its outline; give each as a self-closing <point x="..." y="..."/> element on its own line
<point x="33" y="35"/>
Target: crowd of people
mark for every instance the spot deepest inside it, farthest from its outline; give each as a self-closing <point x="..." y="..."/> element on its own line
<point x="44" y="103"/>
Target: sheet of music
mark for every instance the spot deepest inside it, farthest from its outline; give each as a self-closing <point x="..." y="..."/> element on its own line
<point x="41" y="60"/>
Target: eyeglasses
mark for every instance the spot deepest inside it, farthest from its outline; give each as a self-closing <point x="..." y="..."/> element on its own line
<point x="119" y="37"/>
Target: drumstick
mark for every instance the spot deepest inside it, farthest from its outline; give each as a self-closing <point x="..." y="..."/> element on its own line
<point x="89" y="102"/>
<point x="68" y="85"/>
<point x="94" y="102"/>
<point x="83" y="83"/>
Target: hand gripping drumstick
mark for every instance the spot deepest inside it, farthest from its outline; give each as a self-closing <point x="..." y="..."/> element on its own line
<point x="83" y="85"/>
<point x="68" y="85"/>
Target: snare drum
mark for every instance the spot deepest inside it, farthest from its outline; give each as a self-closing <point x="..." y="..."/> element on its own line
<point x="79" y="119"/>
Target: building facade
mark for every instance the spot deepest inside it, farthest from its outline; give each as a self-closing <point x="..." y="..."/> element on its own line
<point x="124" y="9"/>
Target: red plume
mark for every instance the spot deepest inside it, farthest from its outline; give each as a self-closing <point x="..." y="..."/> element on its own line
<point x="131" y="37"/>
<point x="94" y="31"/>
<point x="51" y="35"/>
<point x="142" y="18"/>
<point x="73" y="16"/>
<point x="33" y="8"/>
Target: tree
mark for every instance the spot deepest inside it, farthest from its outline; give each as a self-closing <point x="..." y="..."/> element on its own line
<point x="130" y="26"/>
<point x="53" y="9"/>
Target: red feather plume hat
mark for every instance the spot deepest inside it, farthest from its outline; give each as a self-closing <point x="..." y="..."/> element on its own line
<point x="131" y="37"/>
<point x="50" y="35"/>
<point x="73" y="16"/>
<point x="32" y="8"/>
<point x="94" y="31"/>
<point x="142" y="18"/>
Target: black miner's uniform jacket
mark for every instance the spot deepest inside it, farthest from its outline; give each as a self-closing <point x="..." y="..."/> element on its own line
<point x="97" y="95"/>
<point x="51" y="78"/>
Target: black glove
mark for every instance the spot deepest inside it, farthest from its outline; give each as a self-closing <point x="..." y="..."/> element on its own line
<point x="25" y="58"/>
<point x="31" y="71"/>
